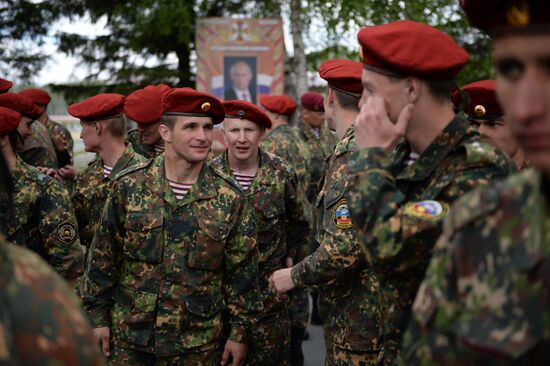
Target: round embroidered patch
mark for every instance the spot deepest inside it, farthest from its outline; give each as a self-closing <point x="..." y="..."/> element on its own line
<point x="66" y="232"/>
<point x="341" y="216"/>
<point x="430" y="210"/>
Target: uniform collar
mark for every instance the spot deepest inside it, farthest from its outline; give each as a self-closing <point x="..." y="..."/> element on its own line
<point x="347" y="143"/>
<point x="440" y="148"/>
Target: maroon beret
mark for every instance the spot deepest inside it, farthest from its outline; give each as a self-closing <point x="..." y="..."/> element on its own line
<point x="281" y="104"/>
<point x="189" y="102"/>
<point x="343" y="75"/>
<point x="483" y="100"/>
<point x="99" y="107"/>
<point x="144" y="106"/>
<point x="246" y="110"/>
<point x="312" y="101"/>
<point x="39" y="96"/>
<point x="410" y="48"/>
<point x="504" y="16"/>
<point x="9" y="120"/>
<point x="5" y="85"/>
<point x="22" y="104"/>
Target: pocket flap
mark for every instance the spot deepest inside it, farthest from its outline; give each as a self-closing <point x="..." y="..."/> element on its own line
<point x="205" y="306"/>
<point x="276" y="208"/>
<point x="217" y="230"/>
<point x="143" y="220"/>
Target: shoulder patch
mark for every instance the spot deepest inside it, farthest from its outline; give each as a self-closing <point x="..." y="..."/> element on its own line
<point x="43" y="178"/>
<point x="427" y="210"/>
<point x="341" y="216"/>
<point x="480" y="152"/>
<point x="66" y="232"/>
<point x="140" y="165"/>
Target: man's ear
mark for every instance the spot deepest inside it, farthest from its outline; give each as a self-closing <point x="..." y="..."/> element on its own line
<point x="165" y="133"/>
<point x="98" y="127"/>
<point x="413" y="86"/>
<point x="330" y="95"/>
<point x="4" y="140"/>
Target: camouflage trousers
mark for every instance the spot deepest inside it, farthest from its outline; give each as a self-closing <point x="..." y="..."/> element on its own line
<point x="269" y="341"/>
<point x="128" y="357"/>
<point x="298" y="307"/>
<point x="337" y="356"/>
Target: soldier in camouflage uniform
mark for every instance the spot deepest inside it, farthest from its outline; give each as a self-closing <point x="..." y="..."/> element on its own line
<point x="398" y="196"/>
<point x="485" y="298"/>
<point x="37" y="149"/>
<point x="271" y="188"/>
<point x="484" y="113"/>
<point x="41" y="217"/>
<point x="347" y="288"/>
<point x="143" y="106"/>
<point x="41" y="322"/>
<point x="283" y="141"/>
<point x="175" y="250"/>
<point x="102" y="132"/>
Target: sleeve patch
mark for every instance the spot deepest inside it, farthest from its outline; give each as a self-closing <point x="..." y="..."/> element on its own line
<point x="66" y="232"/>
<point x="428" y="210"/>
<point x="341" y="216"/>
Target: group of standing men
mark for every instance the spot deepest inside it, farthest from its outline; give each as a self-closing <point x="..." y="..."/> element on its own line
<point x="197" y="261"/>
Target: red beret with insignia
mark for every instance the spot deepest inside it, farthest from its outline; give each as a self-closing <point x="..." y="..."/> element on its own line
<point x="22" y="104"/>
<point x="504" y="16"/>
<point x="281" y="104"/>
<point x="99" y="107"/>
<point x="312" y="101"/>
<point x="409" y="48"/>
<point x="5" y="85"/>
<point x="483" y="100"/>
<point x="40" y="97"/>
<point x="245" y="110"/>
<point x="189" y="102"/>
<point x="9" y="120"/>
<point x="144" y="106"/>
<point x="343" y="75"/>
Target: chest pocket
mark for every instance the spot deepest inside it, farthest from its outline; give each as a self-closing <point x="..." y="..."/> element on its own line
<point x="144" y="241"/>
<point x="206" y="252"/>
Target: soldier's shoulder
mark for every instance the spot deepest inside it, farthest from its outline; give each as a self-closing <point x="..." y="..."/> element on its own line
<point x="36" y="176"/>
<point x="278" y="163"/>
<point x="477" y="152"/>
<point x="481" y="203"/>
<point x="134" y="169"/>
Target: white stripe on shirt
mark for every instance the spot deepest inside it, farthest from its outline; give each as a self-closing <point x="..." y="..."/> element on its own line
<point x="180" y="189"/>
<point x="244" y="180"/>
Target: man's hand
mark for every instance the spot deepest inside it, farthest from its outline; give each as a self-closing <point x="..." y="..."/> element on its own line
<point x="373" y="127"/>
<point x="59" y="140"/>
<point x="103" y="335"/>
<point x="68" y="172"/>
<point x="49" y="171"/>
<point x="281" y="281"/>
<point x="237" y="350"/>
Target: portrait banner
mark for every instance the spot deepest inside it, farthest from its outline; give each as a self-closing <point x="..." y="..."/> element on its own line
<point x="240" y="58"/>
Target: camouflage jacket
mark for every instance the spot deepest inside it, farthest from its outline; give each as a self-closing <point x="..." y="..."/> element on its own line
<point x="320" y="149"/>
<point x="141" y="148"/>
<point x="348" y="289"/>
<point x="42" y="220"/>
<point x="38" y="149"/>
<point x="486" y="295"/>
<point x="91" y="192"/>
<point x="161" y="270"/>
<point x="282" y="225"/>
<point x="398" y="210"/>
<point x="284" y="142"/>
<point x="41" y="321"/>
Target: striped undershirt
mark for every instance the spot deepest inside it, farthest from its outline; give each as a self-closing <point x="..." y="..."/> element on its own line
<point x="411" y="159"/>
<point x="244" y="180"/>
<point x="315" y="131"/>
<point x="159" y="147"/>
<point x="180" y="189"/>
<point x="107" y="170"/>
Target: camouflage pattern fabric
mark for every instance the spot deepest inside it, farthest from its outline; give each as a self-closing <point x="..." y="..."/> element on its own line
<point x="139" y="147"/>
<point x="348" y="290"/>
<point x="91" y="192"/>
<point x="127" y="356"/>
<point x="52" y="125"/>
<point x="41" y="322"/>
<point x="485" y="298"/>
<point x="161" y="270"/>
<point x="38" y="149"/>
<point x="398" y="211"/>
<point x="42" y="220"/>
<point x="320" y="149"/>
<point x="336" y="356"/>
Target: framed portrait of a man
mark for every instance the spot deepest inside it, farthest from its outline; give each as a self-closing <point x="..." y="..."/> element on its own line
<point x="240" y="73"/>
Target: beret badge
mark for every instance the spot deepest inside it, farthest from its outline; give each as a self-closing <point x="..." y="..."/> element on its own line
<point x="518" y="15"/>
<point x="479" y="110"/>
<point x="205" y="106"/>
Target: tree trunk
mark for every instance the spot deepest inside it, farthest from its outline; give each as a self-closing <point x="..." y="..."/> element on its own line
<point x="299" y="59"/>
